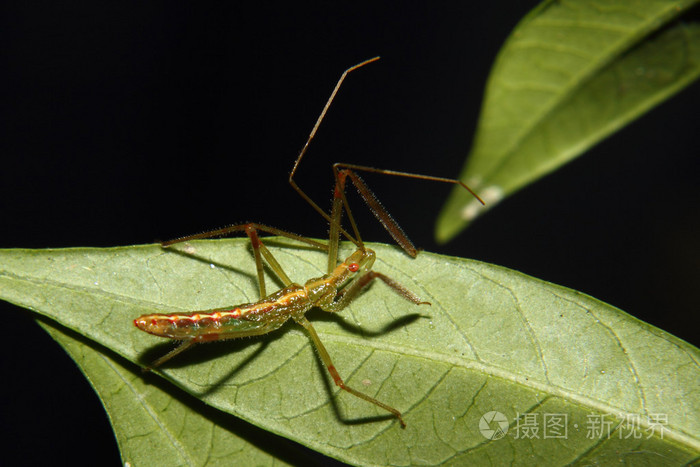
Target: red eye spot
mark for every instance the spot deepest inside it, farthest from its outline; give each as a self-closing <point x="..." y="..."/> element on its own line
<point x="353" y="267"/>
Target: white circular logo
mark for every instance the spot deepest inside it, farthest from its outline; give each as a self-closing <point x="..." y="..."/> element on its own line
<point x="493" y="425"/>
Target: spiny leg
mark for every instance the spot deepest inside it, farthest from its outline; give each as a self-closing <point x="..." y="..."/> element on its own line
<point x="342" y="171"/>
<point x="379" y="211"/>
<point x="334" y="230"/>
<point x="336" y="377"/>
<point x="346" y="295"/>
<point x="241" y="228"/>
<point x="396" y="173"/>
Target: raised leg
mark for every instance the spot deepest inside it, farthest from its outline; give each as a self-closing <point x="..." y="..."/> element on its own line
<point x="342" y="171"/>
<point x="375" y="206"/>
<point x="306" y="197"/>
<point x="364" y="168"/>
<point x="336" y="377"/>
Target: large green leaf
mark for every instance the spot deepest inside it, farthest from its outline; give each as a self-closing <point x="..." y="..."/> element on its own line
<point x="493" y="340"/>
<point x="570" y="74"/>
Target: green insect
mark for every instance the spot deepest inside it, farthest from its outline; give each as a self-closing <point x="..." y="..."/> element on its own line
<point x="331" y="292"/>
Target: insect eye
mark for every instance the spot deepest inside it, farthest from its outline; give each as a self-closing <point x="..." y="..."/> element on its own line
<point x="353" y="267"/>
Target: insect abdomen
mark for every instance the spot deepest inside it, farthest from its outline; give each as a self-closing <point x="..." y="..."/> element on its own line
<point x="184" y="326"/>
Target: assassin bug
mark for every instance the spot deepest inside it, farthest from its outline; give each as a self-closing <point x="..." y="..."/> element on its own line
<point x="331" y="292"/>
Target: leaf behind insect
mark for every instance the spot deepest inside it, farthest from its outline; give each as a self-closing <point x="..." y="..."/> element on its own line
<point x="569" y="75"/>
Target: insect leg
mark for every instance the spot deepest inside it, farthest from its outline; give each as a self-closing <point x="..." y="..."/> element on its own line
<point x="259" y="249"/>
<point x="334" y="373"/>
<point x="301" y="192"/>
<point x="260" y="329"/>
<point x="346" y="295"/>
<point x="396" y="173"/>
<point x="342" y="170"/>
<point x="176" y="351"/>
<point x="241" y="228"/>
<point x="377" y="209"/>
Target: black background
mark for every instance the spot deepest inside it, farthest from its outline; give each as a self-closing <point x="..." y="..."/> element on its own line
<point x="131" y="122"/>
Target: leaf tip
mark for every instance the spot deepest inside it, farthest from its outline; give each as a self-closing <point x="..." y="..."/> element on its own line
<point x="460" y="212"/>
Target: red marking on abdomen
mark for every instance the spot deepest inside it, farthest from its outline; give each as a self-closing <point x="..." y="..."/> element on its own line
<point x="235" y="313"/>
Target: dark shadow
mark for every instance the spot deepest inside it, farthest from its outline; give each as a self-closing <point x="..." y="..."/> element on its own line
<point x="197" y="354"/>
<point x="280" y="447"/>
<point x="211" y="351"/>
<point x="317" y="315"/>
<point x="263" y="343"/>
<point x="331" y="386"/>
